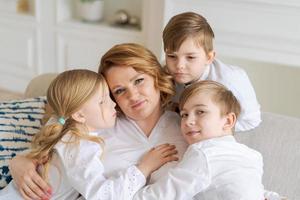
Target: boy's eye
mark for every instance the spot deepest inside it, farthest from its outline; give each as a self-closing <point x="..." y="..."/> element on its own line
<point x="199" y="112"/>
<point x="191" y="57"/>
<point x="183" y="115"/>
<point x="138" y="81"/>
<point x="171" y="56"/>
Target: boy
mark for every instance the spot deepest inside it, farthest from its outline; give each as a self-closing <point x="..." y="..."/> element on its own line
<point x="208" y="116"/>
<point x="190" y="57"/>
<point x="214" y="166"/>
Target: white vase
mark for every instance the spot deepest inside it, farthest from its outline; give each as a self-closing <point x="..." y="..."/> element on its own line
<point x="90" y="11"/>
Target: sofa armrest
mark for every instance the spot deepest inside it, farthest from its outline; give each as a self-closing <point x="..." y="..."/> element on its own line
<point x="38" y="86"/>
<point x="278" y="140"/>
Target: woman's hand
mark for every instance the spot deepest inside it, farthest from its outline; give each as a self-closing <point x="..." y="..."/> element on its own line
<point x="26" y="178"/>
<point x="156" y="158"/>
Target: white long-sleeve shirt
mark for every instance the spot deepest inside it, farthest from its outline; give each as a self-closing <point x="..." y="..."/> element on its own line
<point x="237" y="81"/>
<point x="126" y="143"/>
<point x="214" y="169"/>
<point x="76" y="168"/>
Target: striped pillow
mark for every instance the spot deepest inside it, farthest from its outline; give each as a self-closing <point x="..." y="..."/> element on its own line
<point x="19" y="121"/>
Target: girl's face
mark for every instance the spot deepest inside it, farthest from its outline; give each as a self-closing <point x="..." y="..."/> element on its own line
<point x="189" y="62"/>
<point x="99" y="111"/>
<point x="201" y="119"/>
<point x="134" y="92"/>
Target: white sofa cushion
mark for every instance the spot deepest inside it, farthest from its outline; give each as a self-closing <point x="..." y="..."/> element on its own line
<point x="278" y="139"/>
<point x="19" y="121"/>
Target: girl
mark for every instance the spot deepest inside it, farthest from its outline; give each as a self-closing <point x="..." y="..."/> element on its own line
<point x="71" y="151"/>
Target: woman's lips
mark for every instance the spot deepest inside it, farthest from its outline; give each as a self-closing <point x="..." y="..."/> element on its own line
<point x="138" y="104"/>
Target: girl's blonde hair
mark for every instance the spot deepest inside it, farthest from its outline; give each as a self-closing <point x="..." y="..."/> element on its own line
<point x="186" y="25"/>
<point x="142" y="60"/>
<point x="65" y="95"/>
<point x="219" y="94"/>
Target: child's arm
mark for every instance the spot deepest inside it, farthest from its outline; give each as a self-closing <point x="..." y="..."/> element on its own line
<point x="243" y="90"/>
<point x="85" y="171"/>
<point x="184" y="181"/>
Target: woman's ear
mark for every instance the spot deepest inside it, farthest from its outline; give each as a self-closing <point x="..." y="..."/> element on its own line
<point x="230" y="121"/>
<point x="78" y="116"/>
<point x="210" y="57"/>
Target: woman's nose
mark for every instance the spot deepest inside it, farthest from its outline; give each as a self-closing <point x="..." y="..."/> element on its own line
<point x="132" y="93"/>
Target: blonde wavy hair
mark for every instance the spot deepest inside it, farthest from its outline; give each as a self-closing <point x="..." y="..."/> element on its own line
<point x="219" y="94"/>
<point x="186" y="25"/>
<point x="142" y="60"/>
<point x="66" y="94"/>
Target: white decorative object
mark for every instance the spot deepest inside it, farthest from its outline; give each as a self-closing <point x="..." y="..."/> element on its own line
<point x="90" y="10"/>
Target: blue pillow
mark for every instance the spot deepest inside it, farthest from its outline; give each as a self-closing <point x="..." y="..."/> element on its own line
<point x="19" y="121"/>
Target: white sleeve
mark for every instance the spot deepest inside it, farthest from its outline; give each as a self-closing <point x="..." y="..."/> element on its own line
<point x="241" y="87"/>
<point x="84" y="171"/>
<point x="182" y="182"/>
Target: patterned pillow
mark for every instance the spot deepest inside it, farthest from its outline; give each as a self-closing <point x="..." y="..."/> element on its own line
<point x="19" y="121"/>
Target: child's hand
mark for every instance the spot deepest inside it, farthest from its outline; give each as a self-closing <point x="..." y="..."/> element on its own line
<point x="28" y="181"/>
<point x="156" y="158"/>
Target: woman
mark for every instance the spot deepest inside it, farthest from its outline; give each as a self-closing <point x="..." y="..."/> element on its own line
<point x="142" y="90"/>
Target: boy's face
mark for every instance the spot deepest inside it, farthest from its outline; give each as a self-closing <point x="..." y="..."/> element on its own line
<point x="189" y="62"/>
<point x="201" y="119"/>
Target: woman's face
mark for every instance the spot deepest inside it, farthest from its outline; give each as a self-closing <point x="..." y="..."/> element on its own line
<point x="134" y="92"/>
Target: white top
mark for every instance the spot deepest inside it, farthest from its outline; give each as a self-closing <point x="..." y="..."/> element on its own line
<point x="214" y="169"/>
<point x="126" y="143"/>
<point x="236" y="80"/>
<point x="77" y="169"/>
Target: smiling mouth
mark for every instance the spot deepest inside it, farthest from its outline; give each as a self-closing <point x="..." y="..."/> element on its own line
<point x="138" y="104"/>
<point x="192" y="133"/>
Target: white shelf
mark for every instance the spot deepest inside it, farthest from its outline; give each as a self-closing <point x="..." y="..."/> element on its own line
<point x="67" y="14"/>
<point x="74" y="26"/>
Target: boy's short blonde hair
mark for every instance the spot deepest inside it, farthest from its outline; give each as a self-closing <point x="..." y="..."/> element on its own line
<point x="219" y="94"/>
<point x="186" y="25"/>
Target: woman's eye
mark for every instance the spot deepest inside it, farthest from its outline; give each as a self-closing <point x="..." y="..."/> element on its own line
<point x="138" y="81"/>
<point x="119" y="91"/>
<point x="191" y="57"/>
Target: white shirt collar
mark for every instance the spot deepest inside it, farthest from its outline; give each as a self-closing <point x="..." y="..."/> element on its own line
<point x="203" y="77"/>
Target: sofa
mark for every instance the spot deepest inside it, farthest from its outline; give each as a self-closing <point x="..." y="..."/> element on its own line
<point x="277" y="138"/>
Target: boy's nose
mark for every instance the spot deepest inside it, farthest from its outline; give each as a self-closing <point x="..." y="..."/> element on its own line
<point x="190" y="121"/>
<point x="180" y="64"/>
